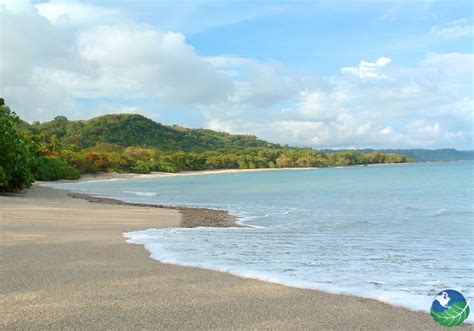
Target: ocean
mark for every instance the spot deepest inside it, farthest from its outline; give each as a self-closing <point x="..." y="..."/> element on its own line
<point x="395" y="233"/>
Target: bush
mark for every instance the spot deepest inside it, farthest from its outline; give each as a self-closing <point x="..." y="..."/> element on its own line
<point x="15" y="158"/>
<point x="168" y="167"/>
<point x="80" y="162"/>
<point x="141" y="167"/>
<point x="47" y="168"/>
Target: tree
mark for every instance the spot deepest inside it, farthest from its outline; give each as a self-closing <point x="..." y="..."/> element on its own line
<point x="48" y="168"/>
<point x="284" y="162"/>
<point x="142" y="167"/>
<point x="54" y="142"/>
<point x="131" y="142"/>
<point x="15" y="158"/>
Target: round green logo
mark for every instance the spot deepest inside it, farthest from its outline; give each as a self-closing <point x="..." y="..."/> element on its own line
<point x="449" y="308"/>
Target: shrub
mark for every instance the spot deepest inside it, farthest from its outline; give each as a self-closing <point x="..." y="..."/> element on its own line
<point x="141" y="167"/>
<point x="15" y="158"/>
<point x="47" y="168"/>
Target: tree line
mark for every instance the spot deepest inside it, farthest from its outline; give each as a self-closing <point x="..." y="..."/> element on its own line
<point x="63" y="149"/>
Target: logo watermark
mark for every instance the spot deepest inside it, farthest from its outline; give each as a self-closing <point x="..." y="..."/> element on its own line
<point x="449" y="308"/>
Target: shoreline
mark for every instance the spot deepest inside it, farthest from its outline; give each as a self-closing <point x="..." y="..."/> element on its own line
<point x="83" y="274"/>
<point x="192" y="217"/>
<point x="159" y="174"/>
<point x="205" y="217"/>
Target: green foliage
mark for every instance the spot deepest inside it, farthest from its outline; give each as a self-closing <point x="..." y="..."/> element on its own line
<point x="15" y="158"/>
<point x="136" y="130"/>
<point x="167" y="164"/>
<point x="48" y="168"/>
<point x="63" y="149"/>
<point x="454" y="316"/>
<point x="141" y="167"/>
<point x="444" y="154"/>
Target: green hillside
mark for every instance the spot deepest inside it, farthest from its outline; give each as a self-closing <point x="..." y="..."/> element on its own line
<point x="423" y="155"/>
<point x="136" y="130"/>
<point x="64" y="149"/>
<point x="444" y="154"/>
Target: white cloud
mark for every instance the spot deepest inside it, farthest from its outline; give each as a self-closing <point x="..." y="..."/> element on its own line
<point x="456" y="29"/>
<point x="68" y="13"/>
<point x="75" y="64"/>
<point x="29" y="42"/>
<point x="368" y="69"/>
<point x="318" y="105"/>
<point x="45" y="66"/>
<point x="26" y="40"/>
<point x="423" y="128"/>
<point x="17" y="6"/>
<point x="142" y="61"/>
<point x="425" y="105"/>
<point x="257" y="83"/>
<point x="387" y="131"/>
<point x="453" y="65"/>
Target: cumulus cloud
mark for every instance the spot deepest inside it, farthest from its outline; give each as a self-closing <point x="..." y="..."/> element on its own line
<point x="368" y="69"/>
<point x="45" y="66"/>
<point x="318" y="105"/>
<point x="67" y="13"/>
<point x="142" y="61"/>
<point x="29" y="43"/>
<point x="425" y="105"/>
<point x="81" y="60"/>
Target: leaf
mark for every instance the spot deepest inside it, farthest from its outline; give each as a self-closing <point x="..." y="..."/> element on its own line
<point x="454" y="316"/>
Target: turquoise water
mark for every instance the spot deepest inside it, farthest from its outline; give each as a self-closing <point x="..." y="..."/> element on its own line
<point x="398" y="233"/>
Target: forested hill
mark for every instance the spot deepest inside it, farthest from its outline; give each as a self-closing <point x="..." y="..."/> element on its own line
<point x="424" y="155"/>
<point x="444" y="154"/>
<point x="136" y="130"/>
<point x="63" y="149"/>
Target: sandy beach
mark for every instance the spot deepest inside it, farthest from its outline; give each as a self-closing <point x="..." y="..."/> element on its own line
<point x="66" y="265"/>
<point x="159" y="174"/>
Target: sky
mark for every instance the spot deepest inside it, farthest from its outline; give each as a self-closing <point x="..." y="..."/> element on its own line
<point x="321" y="74"/>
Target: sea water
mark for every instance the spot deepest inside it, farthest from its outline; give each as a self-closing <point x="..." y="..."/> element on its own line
<point x="395" y="233"/>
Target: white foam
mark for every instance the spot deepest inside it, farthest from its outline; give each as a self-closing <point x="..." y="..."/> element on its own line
<point x="402" y="298"/>
<point x="142" y="194"/>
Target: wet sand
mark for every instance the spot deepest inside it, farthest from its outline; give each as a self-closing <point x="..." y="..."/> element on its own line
<point x="191" y="217"/>
<point x="66" y="265"/>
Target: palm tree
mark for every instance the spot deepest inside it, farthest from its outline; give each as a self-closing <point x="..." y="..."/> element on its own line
<point x="54" y="142"/>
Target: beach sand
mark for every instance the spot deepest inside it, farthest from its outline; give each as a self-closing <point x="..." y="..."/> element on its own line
<point x="158" y="174"/>
<point x="65" y="264"/>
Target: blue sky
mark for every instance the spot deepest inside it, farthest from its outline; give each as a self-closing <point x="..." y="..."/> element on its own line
<point x="311" y="73"/>
<point x="311" y="35"/>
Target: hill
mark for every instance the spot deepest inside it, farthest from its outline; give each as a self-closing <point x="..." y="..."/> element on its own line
<point x="136" y="130"/>
<point x="423" y="155"/>
<point x="64" y="149"/>
<point x="445" y="154"/>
